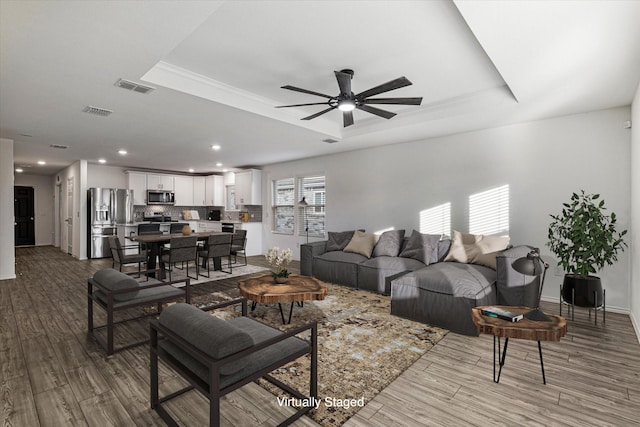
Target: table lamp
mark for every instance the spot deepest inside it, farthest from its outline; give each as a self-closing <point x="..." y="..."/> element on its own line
<point x="303" y="203"/>
<point x="533" y="265"/>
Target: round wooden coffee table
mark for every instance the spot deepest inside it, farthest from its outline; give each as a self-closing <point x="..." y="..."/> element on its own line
<point x="265" y="290"/>
<point x="525" y="329"/>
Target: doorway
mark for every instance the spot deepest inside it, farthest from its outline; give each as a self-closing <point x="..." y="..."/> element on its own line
<point x="69" y="219"/>
<point x="24" y="213"/>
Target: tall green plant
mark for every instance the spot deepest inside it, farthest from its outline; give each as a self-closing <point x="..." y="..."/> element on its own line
<point x="583" y="237"/>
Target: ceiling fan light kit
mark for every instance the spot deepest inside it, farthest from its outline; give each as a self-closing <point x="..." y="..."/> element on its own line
<point x="347" y="101"/>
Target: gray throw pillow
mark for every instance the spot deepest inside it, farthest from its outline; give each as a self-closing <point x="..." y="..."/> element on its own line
<point x="339" y="241"/>
<point x="423" y="247"/>
<point x="389" y="243"/>
<point x="116" y="281"/>
<point x="215" y="337"/>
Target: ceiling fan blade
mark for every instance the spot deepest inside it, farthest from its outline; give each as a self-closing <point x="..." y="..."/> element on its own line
<point x="402" y="101"/>
<point x="385" y="87"/>
<point x="313" y="116"/>
<point x="347" y="117"/>
<point x="301" y="105"/>
<point x="344" y="81"/>
<point x="376" y="111"/>
<point x="310" y="92"/>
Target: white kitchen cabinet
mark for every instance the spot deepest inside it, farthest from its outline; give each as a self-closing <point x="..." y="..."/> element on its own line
<point x="248" y="187"/>
<point x="159" y="182"/>
<point x="137" y="181"/>
<point x="254" y="237"/>
<point x="199" y="191"/>
<point x="183" y="190"/>
<point x="214" y="189"/>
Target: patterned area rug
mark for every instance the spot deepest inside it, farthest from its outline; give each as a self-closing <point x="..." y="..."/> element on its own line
<point x="241" y="270"/>
<point x="362" y="347"/>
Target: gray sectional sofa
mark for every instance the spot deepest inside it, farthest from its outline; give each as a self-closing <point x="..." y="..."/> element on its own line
<point x="436" y="292"/>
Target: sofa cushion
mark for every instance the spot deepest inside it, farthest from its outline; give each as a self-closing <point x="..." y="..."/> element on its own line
<point x="216" y="337"/>
<point x="451" y="278"/>
<point x="114" y="280"/>
<point x="338" y="267"/>
<point x="389" y="243"/>
<point x="422" y="247"/>
<point x="338" y="241"/>
<point x="466" y="247"/>
<point x="361" y="243"/>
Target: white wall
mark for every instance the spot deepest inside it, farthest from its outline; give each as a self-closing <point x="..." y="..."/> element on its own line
<point x="100" y="176"/>
<point x="7" y="228"/>
<point x="544" y="162"/>
<point x="635" y="210"/>
<point x="44" y="209"/>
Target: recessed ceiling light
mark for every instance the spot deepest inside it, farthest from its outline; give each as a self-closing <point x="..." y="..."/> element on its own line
<point x="225" y="170"/>
<point x="215" y="147"/>
<point x="191" y="170"/>
<point x="42" y="162"/>
<point x="102" y="160"/>
<point x="218" y="164"/>
<point x="19" y="170"/>
<point x="122" y="152"/>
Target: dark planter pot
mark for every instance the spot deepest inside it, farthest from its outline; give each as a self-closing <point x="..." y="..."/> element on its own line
<point x="586" y="290"/>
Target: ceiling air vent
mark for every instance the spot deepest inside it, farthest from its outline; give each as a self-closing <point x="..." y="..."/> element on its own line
<point x="330" y="141"/>
<point x="97" y="111"/>
<point x="136" y="87"/>
<point x="58" y="146"/>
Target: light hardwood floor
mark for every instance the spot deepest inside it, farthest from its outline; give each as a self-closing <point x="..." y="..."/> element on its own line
<point x="52" y="374"/>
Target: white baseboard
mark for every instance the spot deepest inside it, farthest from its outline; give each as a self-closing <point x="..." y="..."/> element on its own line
<point x="636" y="325"/>
<point x="612" y="309"/>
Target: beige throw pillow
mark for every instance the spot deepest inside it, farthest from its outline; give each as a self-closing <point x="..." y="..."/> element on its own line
<point x="362" y="243"/>
<point x="475" y="248"/>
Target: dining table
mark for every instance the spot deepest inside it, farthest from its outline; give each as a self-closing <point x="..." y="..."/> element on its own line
<point x="156" y="241"/>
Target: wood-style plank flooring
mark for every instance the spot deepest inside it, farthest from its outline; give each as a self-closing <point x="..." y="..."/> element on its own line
<point x="53" y="374"/>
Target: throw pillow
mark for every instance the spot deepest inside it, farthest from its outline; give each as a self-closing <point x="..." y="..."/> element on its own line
<point x="465" y="248"/>
<point x="423" y="247"/>
<point x="338" y="241"/>
<point x="361" y="243"/>
<point x="389" y="243"/>
<point x="487" y="260"/>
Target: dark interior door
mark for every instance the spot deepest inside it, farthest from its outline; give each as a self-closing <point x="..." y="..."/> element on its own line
<point x="23" y="208"/>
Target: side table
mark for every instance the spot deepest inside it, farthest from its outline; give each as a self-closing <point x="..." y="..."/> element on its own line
<point x="525" y="329"/>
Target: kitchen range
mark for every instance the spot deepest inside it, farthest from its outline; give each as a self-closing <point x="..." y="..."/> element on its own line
<point x="107" y="207"/>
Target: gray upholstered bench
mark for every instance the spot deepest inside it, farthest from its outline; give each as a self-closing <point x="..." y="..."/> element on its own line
<point x="218" y="356"/>
<point x="115" y="291"/>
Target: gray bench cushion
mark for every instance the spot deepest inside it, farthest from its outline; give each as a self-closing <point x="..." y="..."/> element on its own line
<point x="116" y="281"/>
<point x="216" y="337"/>
<point x="150" y="295"/>
<point x="259" y="332"/>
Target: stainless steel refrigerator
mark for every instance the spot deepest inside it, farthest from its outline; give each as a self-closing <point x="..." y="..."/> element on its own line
<point x="106" y="208"/>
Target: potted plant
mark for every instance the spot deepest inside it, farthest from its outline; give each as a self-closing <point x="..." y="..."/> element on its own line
<point x="584" y="238"/>
<point x="279" y="260"/>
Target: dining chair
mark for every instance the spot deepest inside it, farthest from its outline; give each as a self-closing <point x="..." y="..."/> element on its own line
<point x="119" y="255"/>
<point x="183" y="249"/>
<point x="238" y="244"/>
<point x="217" y="246"/>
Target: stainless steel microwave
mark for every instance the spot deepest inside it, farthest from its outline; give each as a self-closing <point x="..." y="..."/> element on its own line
<point x="160" y="197"/>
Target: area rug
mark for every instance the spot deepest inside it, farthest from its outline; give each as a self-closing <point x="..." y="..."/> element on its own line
<point x="362" y="348"/>
<point x="243" y="270"/>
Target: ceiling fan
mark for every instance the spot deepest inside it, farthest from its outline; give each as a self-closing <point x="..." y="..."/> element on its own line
<point x="347" y="101"/>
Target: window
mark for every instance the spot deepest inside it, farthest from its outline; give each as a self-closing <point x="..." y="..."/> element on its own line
<point x="489" y="212"/>
<point x="436" y="220"/>
<point x="283" y="205"/>
<point x="312" y="217"/>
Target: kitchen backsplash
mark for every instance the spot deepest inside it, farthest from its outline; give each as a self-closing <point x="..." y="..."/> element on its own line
<point x="254" y="212"/>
